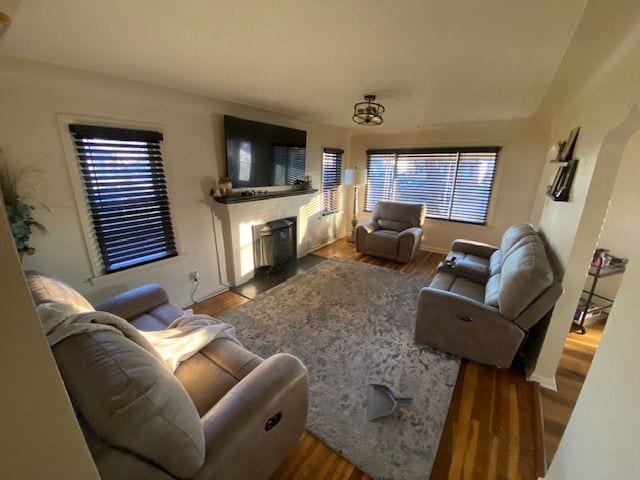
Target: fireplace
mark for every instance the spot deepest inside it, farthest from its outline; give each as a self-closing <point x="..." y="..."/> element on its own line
<point x="274" y="243"/>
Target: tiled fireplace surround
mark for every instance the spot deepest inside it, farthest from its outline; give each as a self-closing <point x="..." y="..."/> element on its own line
<point x="235" y="221"/>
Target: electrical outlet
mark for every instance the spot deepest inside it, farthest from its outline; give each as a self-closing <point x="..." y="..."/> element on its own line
<point x="194" y="276"/>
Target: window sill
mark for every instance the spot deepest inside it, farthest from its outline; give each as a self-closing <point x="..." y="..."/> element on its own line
<point x="108" y="278"/>
<point x="328" y="214"/>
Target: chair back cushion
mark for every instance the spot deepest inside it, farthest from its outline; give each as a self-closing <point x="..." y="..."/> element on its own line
<point x="399" y="216"/>
<point x="525" y="275"/>
<point x="513" y="235"/>
<point x="132" y="401"/>
<point x="46" y="289"/>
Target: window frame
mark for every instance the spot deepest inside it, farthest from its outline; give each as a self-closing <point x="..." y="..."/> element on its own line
<point x="83" y="209"/>
<point x="496" y="149"/>
<point x="338" y="186"/>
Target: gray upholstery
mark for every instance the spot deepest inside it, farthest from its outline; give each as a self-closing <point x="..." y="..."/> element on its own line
<point x="206" y="421"/>
<point x="128" y="396"/>
<point x="394" y="232"/>
<point x="481" y="305"/>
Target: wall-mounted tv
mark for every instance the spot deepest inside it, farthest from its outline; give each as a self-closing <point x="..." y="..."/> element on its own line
<point x="262" y="155"/>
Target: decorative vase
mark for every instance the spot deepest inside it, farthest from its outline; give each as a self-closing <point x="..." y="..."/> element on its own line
<point x="225" y="186"/>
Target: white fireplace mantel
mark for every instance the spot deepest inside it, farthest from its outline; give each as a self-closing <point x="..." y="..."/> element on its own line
<point x="237" y="219"/>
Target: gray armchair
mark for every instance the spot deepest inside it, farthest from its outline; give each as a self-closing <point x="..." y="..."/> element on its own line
<point x="394" y="231"/>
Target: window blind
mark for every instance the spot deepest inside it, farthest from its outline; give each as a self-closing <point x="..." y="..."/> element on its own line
<point x="126" y="192"/>
<point x="331" y="180"/>
<point x="454" y="183"/>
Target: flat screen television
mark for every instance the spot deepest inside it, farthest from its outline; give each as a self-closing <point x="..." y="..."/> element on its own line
<point x="263" y="155"/>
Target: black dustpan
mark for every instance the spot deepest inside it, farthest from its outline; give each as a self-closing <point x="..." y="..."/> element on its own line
<point x="382" y="401"/>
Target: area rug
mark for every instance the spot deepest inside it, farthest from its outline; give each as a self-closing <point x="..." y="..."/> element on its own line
<point x="352" y="324"/>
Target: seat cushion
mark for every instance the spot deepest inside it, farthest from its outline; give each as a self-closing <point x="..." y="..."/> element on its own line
<point x="45" y="289"/>
<point x="148" y="323"/>
<point x="526" y="274"/>
<point x="393" y="225"/>
<point x="460" y="286"/>
<point x="383" y="242"/>
<point x="469" y="289"/>
<point x="132" y="401"/>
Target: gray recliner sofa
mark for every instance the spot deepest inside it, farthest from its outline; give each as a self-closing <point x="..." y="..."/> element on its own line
<point x="484" y="299"/>
<point x="394" y="231"/>
<point x="224" y="414"/>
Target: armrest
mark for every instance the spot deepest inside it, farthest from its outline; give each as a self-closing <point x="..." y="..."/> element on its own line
<point x="473" y="248"/>
<point x="257" y="421"/>
<point x="135" y="302"/>
<point x="362" y="230"/>
<point x="368" y="227"/>
<point x="408" y="243"/>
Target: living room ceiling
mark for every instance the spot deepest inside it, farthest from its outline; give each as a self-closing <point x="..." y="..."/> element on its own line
<point x="429" y="62"/>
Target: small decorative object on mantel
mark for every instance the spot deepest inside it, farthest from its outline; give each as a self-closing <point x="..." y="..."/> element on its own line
<point x="560" y="188"/>
<point x="302" y="184"/>
<point x="225" y="187"/>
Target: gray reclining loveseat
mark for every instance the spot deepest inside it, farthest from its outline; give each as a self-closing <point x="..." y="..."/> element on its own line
<point x="484" y="299"/>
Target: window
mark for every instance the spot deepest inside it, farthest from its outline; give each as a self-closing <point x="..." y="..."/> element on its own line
<point x="126" y="191"/>
<point x="331" y="180"/>
<point x="454" y="183"/>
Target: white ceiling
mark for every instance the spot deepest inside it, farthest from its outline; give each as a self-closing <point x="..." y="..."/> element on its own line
<point x="429" y="61"/>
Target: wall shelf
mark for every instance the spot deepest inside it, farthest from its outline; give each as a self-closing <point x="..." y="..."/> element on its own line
<point x="238" y="198"/>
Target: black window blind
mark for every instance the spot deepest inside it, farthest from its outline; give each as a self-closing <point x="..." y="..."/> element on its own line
<point x="331" y="180"/>
<point x="126" y="191"/>
<point x="454" y="183"/>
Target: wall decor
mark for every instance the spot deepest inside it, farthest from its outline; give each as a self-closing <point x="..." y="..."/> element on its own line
<point x="561" y="186"/>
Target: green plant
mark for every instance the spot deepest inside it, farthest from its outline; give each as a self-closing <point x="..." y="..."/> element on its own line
<point x="19" y="211"/>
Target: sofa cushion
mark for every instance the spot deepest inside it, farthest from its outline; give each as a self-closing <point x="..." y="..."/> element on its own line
<point x="411" y="213"/>
<point x="394" y="225"/>
<point x="469" y="289"/>
<point x="532" y="238"/>
<point x="492" y="290"/>
<point x="495" y="262"/>
<point x="383" y="242"/>
<point x="132" y="401"/>
<point x="46" y="289"/>
<point x="443" y="280"/>
<point x="526" y="273"/>
<point x="514" y="234"/>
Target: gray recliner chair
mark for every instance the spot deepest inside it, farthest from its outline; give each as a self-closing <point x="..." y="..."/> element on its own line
<point x="224" y="414"/>
<point x="394" y="231"/>
<point x="484" y="299"/>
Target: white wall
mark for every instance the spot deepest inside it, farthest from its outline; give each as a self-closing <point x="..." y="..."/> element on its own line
<point x="40" y="435"/>
<point x="602" y="436"/>
<point x="33" y="94"/>
<point x="520" y="165"/>
<point x="602" y="104"/>
<point x="622" y="215"/>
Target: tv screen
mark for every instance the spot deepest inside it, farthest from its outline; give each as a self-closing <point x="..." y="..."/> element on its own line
<point x="262" y="155"/>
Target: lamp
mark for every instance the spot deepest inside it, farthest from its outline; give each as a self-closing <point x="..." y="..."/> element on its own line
<point x="368" y="112"/>
<point x="354" y="177"/>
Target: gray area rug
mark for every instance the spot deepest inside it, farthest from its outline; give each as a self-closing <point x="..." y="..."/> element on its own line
<point x="352" y="324"/>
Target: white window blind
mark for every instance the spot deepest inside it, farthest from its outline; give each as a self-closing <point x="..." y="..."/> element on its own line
<point x="454" y="183"/>
<point x="126" y="191"/>
<point x="331" y="180"/>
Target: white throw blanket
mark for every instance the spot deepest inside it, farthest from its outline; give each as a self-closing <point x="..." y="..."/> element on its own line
<point x="182" y="339"/>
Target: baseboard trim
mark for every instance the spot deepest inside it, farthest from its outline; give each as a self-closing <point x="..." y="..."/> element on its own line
<point x="546" y="382"/>
<point x="428" y="248"/>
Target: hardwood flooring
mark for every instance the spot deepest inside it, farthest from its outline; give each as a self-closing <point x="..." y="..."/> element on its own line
<point x="490" y="431"/>
<point x="574" y="364"/>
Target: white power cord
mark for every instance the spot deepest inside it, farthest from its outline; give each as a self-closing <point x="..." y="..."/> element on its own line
<point x="195" y="283"/>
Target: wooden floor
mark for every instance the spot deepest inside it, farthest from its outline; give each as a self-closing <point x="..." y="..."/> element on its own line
<point x="491" y="431"/>
<point x="574" y="364"/>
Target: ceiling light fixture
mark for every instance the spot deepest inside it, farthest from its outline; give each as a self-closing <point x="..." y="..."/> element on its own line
<point x="368" y="112"/>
